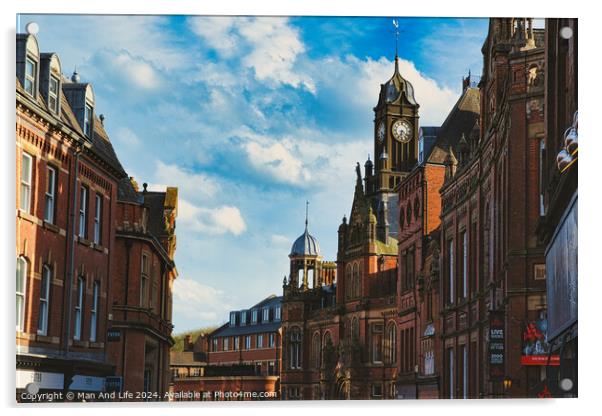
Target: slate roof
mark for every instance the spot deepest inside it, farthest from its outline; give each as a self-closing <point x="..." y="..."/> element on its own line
<point x="155" y="202"/>
<point x="186" y="358"/>
<point x="460" y="120"/>
<point x="429" y="136"/>
<point x="248" y="329"/>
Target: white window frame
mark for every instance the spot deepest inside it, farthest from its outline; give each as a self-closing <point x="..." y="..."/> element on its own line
<point x="236" y="343"/>
<point x="97" y="218"/>
<point x="88" y="112"/>
<point x="266" y="315"/>
<point x="50" y="195"/>
<point x="254" y="316"/>
<point x="94" y="312"/>
<point x="271" y="340"/>
<point x="243" y="318"/>
<point x="44" y="309"/>
<point x="26" y="182"/>
<point x="22" y="269"/>
<point x="31" y="79"/>
<point x="226" y="343"/>
<point x="53" y="97"/>
<point x="259" y="341"/>
<point x="77" y="331"/>
<point x="83" y="211"/>
<point x="247" y="342"/>
<point x="277" y="313"/>
<point x="232" y="318"/>
<point x="215" y="345"/>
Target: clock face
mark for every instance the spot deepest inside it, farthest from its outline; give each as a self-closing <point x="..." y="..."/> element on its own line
<point x="380" y="132"/>
<point x="402" y="130"/>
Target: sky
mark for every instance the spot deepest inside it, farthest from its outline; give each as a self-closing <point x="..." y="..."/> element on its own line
<point x="250" y="117"/>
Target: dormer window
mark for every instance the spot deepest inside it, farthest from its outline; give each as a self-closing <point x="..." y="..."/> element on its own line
<point x="254" y="316"/>
<point x="30" y="76"/>
<point x="88" y="120"/>
<point x="277" y="313"/>
<point x="53" y="94"/>
<point x="232" y="318"/>
<point x="266" y="315"/>
<point x="243" y="318"/>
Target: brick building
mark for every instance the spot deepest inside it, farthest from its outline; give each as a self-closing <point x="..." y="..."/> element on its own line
<point x="67" y="204"/>
<point x="242" y="356"/>
<point x="419" y="210"/>
<point x="493" y="268"/>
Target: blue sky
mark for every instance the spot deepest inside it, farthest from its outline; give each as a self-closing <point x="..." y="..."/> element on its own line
<point x="250" y="117"/>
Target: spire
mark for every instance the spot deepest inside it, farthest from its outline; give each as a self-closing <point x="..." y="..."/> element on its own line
<point x="306" y="213"/>
<point x="396" y="31"/>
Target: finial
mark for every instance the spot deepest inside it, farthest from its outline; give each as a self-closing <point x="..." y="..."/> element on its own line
<point x="102" y="119"/>
<point x="396" y="25"/>
<point x="306" y="213"/>
<point x="144" y="186"/>
<point x="75" y="76"/>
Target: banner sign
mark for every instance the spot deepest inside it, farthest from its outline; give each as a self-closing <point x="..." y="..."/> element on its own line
<point x="497" y="344"/>
<point x="535" y="346"/>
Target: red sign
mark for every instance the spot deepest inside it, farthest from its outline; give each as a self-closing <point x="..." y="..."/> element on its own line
<point x="540" y="360"/>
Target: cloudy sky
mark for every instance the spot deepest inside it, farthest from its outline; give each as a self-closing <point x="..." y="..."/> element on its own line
<point x="249" y="117"/>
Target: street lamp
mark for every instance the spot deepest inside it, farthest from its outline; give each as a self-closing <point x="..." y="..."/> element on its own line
<point x="507" y="384"/>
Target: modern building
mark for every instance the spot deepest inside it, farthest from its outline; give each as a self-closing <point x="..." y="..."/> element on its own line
<point x="558" y="226"/>
<point x="238" y="361"/>
<point x="68" y="200"/>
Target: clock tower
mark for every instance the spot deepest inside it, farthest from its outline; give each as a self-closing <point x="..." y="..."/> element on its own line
<point x="395" y="133"/>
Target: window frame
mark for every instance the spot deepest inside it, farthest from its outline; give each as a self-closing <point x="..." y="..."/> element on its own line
<point x="44" y="306"/>
<point x="450" y="269"/>
<point x="376" y="343"/>
<point x="247" y="342"/>
<point x="31" y="78"/>
<point x="84" y="195"/>
<point x="144" y="279"/>
<point x="259" y="341"/>
<point x="265" y="315"/>
<point x="88" y="116"/>
<point x="79" y="306"/>
<point x="50" y="194"/>
<point x="465" y="248"/>
<point x="277" y="313"/>
<point x="26" y="185"/>
<point x="94" y="311"/>
<point x="21" y="306"/>
<point x="97" y="231"/>
<point x="53" y="95"/>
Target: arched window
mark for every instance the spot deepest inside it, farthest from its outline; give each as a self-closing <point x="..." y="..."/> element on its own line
<point x="44" y="300"/>
<point x="356" y="281"/>
<point x="348" y="282"/>
<point x="355" y="329"/>
<point x="316" y="349"/>
<point x="295" y="348"/>
<point x="21" y="286"/>
<point x="391" y="344"/>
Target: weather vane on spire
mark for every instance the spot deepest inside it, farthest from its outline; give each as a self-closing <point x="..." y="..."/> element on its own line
<point x="396" y="31"/>
<point x="306" y="212"/>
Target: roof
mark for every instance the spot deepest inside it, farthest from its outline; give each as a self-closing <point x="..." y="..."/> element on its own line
<point x="460" y="120"/>
<point x="429" y="137"/>
<point x="100" y="144"/>
<point x="155" y="202"/>
<point x="305" y="245"/>
<point x="396" y="85"/>
<point x="186" y="358"/>
<point x="127" y="193"/>
<point x="260" y="327"/>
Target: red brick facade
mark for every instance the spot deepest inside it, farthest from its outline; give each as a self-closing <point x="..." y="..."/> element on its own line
<point x="68" y="181"/>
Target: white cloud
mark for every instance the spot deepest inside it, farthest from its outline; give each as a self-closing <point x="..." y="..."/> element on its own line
<point x="199" y="302"/>
<point x="126" y="137"/>
<point x="217" y="31"/>
<point x="138" y="71"/>
<point x="276" y="160"/>
<point x="216" y="221"/>
<point x="267" y="45"/>
<point x="190" y="184"/>
<point x="280" y="240"/>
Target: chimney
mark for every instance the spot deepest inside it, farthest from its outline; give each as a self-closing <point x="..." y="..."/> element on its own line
<point x="188" y="342"/>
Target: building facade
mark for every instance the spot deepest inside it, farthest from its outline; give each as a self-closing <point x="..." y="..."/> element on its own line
<point x="67" y="182"/>
<point x="238" y="361"/>
<point x="558" y="226"/>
